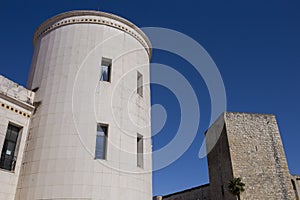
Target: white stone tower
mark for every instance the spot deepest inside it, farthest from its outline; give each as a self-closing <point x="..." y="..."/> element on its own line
<point x="90" y="136"/>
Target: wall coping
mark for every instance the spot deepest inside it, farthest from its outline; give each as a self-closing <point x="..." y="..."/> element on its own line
<point x="93" y="17"/>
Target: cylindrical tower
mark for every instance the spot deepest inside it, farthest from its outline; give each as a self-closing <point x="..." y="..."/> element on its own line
<point x="90" y="136"/>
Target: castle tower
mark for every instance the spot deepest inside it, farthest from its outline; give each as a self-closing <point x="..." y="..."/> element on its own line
<point x="90" y="136"/>
<point x="248" y="146"/>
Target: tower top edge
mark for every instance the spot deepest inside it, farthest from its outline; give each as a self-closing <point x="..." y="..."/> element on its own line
<point x="93" y="17"/>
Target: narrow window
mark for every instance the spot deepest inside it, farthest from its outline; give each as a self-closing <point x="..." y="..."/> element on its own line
<point x="294" y="185"/>
<point x="140" y="146"/>
<point x="140" y="84"/>
<point x="101" y="141"/>
<point x="10" y="148"/>
<point x="222" y="188"/>
<point x="295" y="189"/>
<point x="105" y="69"/>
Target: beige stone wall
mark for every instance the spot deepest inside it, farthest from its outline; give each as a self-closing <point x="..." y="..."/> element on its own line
<point x="14" y="92"/>
<point x="219" y="161"/>
<point x="296" y="186"/>
<point x="197" y="193"/>
<point x="255" y="154"/>
<point x="247" y="146"/>
<point x="15" y="109"/>
<point x="60" y="159"/>
<point x="157" y="198"/>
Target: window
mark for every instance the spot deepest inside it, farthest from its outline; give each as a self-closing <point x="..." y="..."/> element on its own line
<point x="105" y="69"/>
<point x="140" y="146"/>
<point x="294" y="185"/>
<point x="101" y="141"/>
<point x="295" y="189"/>
<point x="140" y="84"/>
<point x="222" y="189"/>
<point x="10" y="148"/>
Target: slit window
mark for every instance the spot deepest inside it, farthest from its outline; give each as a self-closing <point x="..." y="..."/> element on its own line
<point x="101" y="142"/>
<point x="140" y="152"/>
<point x="294" y="185"/>
<point x="295" y="189"/>
<point x="105" y="74"/>
<point x="140" y="84"/>
<point x="10" y="148"/>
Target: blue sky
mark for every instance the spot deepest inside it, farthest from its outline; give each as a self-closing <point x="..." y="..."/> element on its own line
<point x="255" y="44"/>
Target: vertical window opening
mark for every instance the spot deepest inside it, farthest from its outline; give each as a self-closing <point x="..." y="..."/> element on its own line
<point x="222" y="188"/>
<point x="10" y="148"/>
<point x="101" y="142"/>
<point x="295" y="189"/>
<point x="294" y="185"/>
<point x="105" y="74"/>
<point x="140" y="84"/>
<point x="140" y="152"/>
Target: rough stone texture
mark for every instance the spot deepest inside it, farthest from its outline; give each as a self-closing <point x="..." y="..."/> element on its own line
<point x="15" y="92"/>
<point x="296" y="185"/>
<point x="254" y="153"/>
<point x="16" y="109"/>
<point x="197" y="193"/>
<point x="219" y="161"/>
<point x="248" y="146"/>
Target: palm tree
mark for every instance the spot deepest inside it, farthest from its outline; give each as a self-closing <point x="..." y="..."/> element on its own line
<point x="236" y="187"/>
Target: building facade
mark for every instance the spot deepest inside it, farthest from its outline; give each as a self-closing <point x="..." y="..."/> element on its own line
<point x="247" y="146"/>
<point x="89" y="135"/>
<point x="296" y="186"/>
<point x="16" y="109"/>
<point x="196" y="193"/>
<point x="81" y="131"/>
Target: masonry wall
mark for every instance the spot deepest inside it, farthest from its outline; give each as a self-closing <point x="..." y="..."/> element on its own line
<point x="247" y="146"/>
<point x="15" y="109"/>
<point x="257" y="156"/>
<point x="60" y="159"/>
<point x="197" y="193"/>
<point x="219" y="161"/>
<point x="296" y="185"/>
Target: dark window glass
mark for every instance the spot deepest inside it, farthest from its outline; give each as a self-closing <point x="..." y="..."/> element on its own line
<point x="140" y="84"/>
<point x="105" y="69"/>
<point x="140" y="152"/>
<point x="101" y="142"/>
<point x="294" y="185"/>
<point x="10" y="147"/>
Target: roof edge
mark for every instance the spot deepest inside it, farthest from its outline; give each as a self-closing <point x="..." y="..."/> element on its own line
<point x="50" y="25"/>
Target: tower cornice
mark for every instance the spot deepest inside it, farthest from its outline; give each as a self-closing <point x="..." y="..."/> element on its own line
<point x="93" y="17"/>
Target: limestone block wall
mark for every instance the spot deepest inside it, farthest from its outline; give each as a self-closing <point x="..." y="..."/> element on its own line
<point x="197" y="193"/>
<point x="296" y="185"/>
<point x="157" y="198"/>
<point x="9" y="89"/>
<point x="254" y="153"/>
<point x="60" y="159"/>
<point x="219" y="160"/>
<point x="15" y="109"/>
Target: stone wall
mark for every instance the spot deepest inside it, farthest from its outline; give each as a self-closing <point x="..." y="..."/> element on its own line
<point x="60" y="161"/>
<point x="219" y="160"/>
<point x="15" y="109"/>
<point x="197" y="193"/>
<point x="247" y="146"/>
<point x="250" y="147"/>
<point x="10" y="89"/>
<point x="296" y="185"/>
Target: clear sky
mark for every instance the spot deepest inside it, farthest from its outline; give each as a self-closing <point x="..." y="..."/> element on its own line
<point x="255" y="44"/>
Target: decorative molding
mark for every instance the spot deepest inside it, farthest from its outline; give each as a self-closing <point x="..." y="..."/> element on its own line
<point x="15" y="110"/>
<point x="93" y="17"/>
